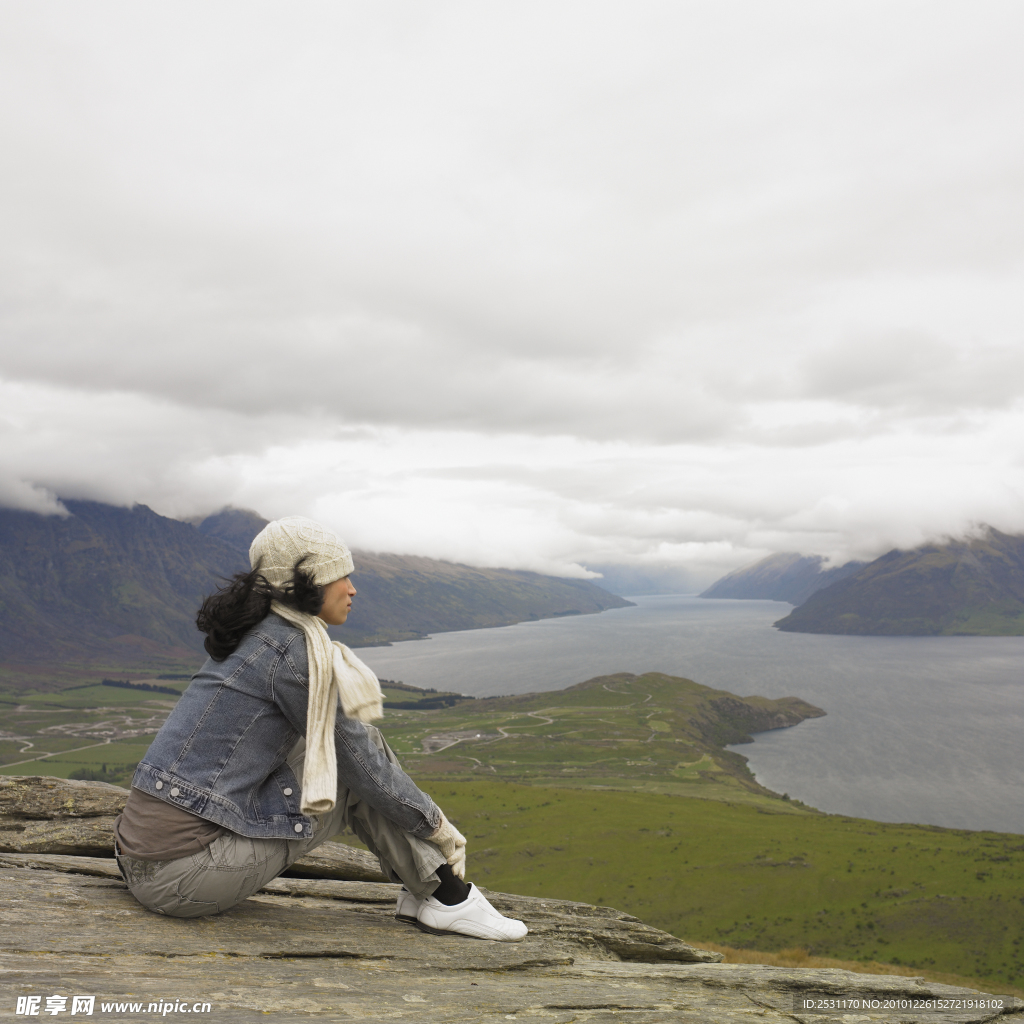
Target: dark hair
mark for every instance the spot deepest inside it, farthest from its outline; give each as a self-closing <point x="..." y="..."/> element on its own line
<point x="227" y="615"/>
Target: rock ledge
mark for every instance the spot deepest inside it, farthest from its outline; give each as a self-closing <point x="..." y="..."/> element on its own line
<point x="331" y="949"/>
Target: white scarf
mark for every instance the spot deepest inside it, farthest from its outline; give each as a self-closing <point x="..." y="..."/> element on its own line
<point x="334" y="671"/>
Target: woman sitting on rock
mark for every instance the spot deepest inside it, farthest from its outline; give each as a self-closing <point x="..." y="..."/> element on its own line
<point x="257" y="764"/>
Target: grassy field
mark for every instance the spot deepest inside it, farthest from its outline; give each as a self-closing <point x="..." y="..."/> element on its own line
<point x="757" y="878"/>
<point x="92" y="727"/>
<point x="618" y="791"/>
<point x="56" y="677"/>
<point x="77" y="729"/>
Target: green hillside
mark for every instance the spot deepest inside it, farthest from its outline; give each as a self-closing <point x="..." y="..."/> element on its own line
<point x="964" y="588"/>
<point x="649" y="733"/>
<point x="758" y="878"/>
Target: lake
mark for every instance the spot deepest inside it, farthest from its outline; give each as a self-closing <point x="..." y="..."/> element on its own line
<point x="919" y="729"/>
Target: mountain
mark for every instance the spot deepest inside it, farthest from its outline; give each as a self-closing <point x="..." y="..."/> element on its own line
<point x="971" y="587"/>
<point x="403" y="597"/>
<point x="782" y="577"/>
<point x="234" y="526"/>
<point x="122" y="586"/>
<point x="103" y="583"/>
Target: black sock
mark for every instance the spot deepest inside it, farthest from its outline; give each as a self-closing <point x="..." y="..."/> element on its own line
<point x="452" y="889"/>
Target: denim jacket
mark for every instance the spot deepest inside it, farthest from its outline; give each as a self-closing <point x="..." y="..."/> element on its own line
<point x="222" y="752"/>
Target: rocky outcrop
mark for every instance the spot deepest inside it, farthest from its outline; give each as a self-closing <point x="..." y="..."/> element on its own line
<point x="332" y="949"/>
<point x="559" y="924"/>
<point x="46" y="798"/>
<point x="44" y="815"/>
<point x="89" y="837"/>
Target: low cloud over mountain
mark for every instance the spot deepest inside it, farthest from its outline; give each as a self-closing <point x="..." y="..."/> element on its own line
<point x="664" y="287"/>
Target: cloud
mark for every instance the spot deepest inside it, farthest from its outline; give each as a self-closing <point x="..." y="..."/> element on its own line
<point x="557" y="285"/>
<point x="555" y="504"/>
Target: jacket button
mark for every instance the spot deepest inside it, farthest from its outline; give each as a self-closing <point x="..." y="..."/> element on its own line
<point x="298" y="828"/>
<point x="175" y="791"/>
<point x="288" y="792"/>
<point x="159" y="785"/>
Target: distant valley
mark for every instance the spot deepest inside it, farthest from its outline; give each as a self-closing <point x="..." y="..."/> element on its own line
<point x="118" y="587"/>
<point x="961" y="588"/>
<point x="781" y="577"/>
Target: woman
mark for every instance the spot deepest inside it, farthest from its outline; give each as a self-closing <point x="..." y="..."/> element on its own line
<point x="257" y="764"/>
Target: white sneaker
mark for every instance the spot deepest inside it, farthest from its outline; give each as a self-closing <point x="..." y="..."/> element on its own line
<point x="407" y="907"/>
<point x="474" y="916"/>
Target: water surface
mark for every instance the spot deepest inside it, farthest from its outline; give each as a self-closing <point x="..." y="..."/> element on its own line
<point x="923" y="729"/>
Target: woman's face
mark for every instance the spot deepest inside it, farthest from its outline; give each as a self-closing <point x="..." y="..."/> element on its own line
<point x="337" y="601"/>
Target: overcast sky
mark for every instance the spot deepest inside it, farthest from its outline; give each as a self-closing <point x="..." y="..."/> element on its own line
<point x="549" y="285"/>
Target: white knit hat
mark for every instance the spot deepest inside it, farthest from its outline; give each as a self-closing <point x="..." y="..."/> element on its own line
<point x="280" y="544"/>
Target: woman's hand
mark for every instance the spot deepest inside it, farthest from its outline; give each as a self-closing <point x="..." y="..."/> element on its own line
<point x="452" y="843"/>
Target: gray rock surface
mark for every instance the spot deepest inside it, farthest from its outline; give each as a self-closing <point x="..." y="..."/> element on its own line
<point x="336" y="860"/>
<point x="94" y="837"/>
<point x="306" y="948"/>
<point x="323" y="948"/>
<point x="40" y="814"/>
<point x="87" y="837"/>
<point x="44" y="797"/>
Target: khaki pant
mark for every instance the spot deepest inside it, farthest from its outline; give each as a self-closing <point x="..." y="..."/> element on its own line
<point x="233" y="867"/>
